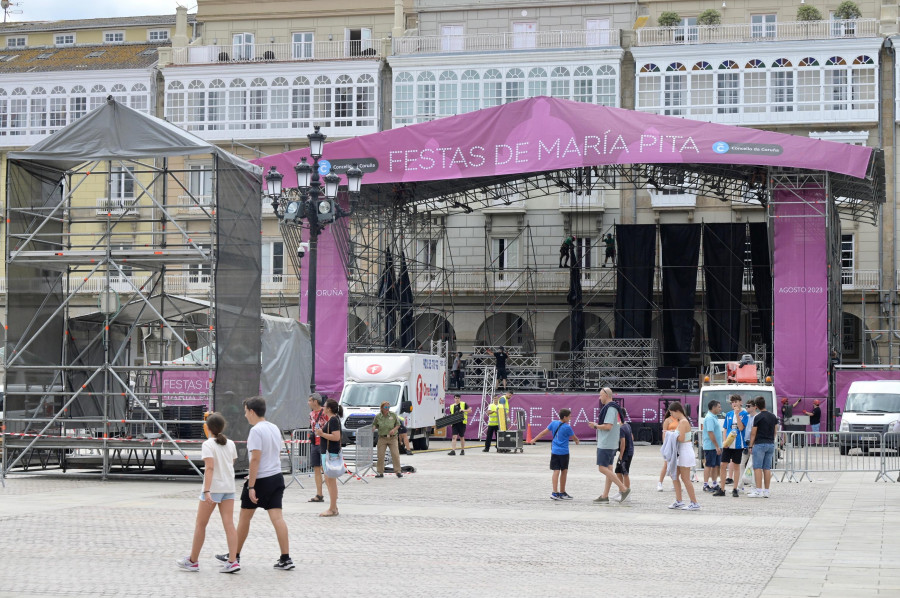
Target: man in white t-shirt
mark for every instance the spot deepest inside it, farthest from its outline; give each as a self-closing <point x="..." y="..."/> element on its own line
<point x="265" y="483"/>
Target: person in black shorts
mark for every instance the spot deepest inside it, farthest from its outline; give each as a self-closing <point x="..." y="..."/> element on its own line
<point x="459" y="430"/>
<point x="500" y="355"/>
<point x="264" y="487"/>
<point x="626" y="453"/>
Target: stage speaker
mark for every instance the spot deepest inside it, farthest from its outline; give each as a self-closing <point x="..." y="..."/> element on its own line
<point x="666" y="372"/>
<point x="552" y="383"/>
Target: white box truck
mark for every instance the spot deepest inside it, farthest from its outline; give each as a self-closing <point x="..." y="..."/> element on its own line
<point x="872" y="409"/>
<point x="413" y="385"/>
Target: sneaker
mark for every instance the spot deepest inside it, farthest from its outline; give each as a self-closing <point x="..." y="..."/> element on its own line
<point x="677" y="505"/>
<point x="728" y="481"/>
<point x="284" y="565"/>
<point x="451" y="453"/>
<point x="659" y="487"/>
<point x="754" y="494"/>
<point x="224" y="557"/>
<point x="230" y="567"/>
<point x="555" y="496"/>
<point x="624" y="495"/>
<point x="719" y="492"/>
<point x="379" y="475"/>
<point x="765" y="494"/>
<point x="691" y="507"/>
<point x="462" y="452"/>
<point x="707" y="488"/>
<point x="487" y="450"/>
<point x="734" y="493"/>
<point x="399" y="475"/>
<point x="601" y="499"/>
<point x="565" y="496"/>
<point x="186" y="564"/>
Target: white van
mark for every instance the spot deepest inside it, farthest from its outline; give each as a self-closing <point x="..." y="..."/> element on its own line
<point x="872" y="408"/>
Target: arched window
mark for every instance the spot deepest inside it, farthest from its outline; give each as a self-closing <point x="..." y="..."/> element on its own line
<point x="676" y="66"/>
<point x="702" y="88"/>
<point x="237" y="104"/>
<point x="781" y="86"/>
<point x="675" y="89"/>
<point x="584" y="85"/>
<point x="426" y="97"/>
<point x="728" y="87"/>
<point x="493" y="88"/>
<point x="469" y="91"/>
<point x="365" y="101"/>
<point x="174" y="102"/>
<point x="259" y="103"/>
<point x="78" y="102"/>
<point x="196" y="106"/>
<point x="863" y="84"/>
<point x="560" y="83"/>
<point x="404" y="99"/>
<point x="649" y="88"/>
<point x="58" y="103"/>
<point x="120" y="93"/>
<point x="755" y="86"/>
<point x="279" y="103"/>
<point x="343" y="101"/>
<point x="448" y="93"/>
<point x="650" y="68"/>
<point x="809" y="85"/>
<point x="4" y="112"/>
<point x="98" y="96"/>
<point x="808" y="61"/>
<point x="728" y="65"/>
<point x="537" y="82"/>
<point x="322" y="101"/>
<point x="216" y="102"/>
<point x="18" y="112"/>
<point x="139" y="98"/>
<point x="38" y="111"/>
<point x="301" y="104"/>
<point x="515" y="85"/>
<point x="606" y="86"/>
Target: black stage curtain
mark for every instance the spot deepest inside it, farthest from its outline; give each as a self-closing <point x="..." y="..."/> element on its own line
<point x="762" y="279"/>
<point x="636" y="248"/>
<point x="680" y="245"/>
<point x="723" y="266"/>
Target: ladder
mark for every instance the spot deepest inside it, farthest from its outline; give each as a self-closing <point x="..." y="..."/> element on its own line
<point x="488" y="388"/>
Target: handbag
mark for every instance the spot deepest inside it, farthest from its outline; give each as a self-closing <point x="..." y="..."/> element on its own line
<point x="333" y="464"/>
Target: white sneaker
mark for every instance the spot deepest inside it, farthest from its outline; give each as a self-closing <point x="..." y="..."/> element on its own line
<point x="659" y="487"/>
<point x="186" y="564"/>
<point x="677" y="505"/>
<point x="754" y="494"/>
<point x="691" y="507"/>
<point x="765" y="494"/>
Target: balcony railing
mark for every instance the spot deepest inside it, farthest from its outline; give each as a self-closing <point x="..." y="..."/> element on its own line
<point x="116" y="206"/>
<point x="370" y="49"/>
<point x="573" y="201"/>
<point x="501" y="42"/>
<point x="754" y="32"/>
<point x="859" y="279"/>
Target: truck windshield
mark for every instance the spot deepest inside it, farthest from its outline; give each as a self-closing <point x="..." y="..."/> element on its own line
<point x="870" y="401"/>
<point x="370" y="395"/>
<point x="724" y="396"/>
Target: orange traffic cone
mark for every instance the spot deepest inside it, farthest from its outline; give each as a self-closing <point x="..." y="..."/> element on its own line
<point x="528" y="432"/>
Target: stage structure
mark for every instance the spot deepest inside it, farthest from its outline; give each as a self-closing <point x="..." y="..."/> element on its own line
<point x="419" y="176"/>
<point x="119" y="382"/>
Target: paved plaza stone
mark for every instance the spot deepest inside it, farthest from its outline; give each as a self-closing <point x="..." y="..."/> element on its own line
<point x="473" y="525"/>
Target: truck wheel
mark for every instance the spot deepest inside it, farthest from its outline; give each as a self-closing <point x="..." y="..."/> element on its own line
<point x="843" y="449"/>
<point x="420" y="443"/>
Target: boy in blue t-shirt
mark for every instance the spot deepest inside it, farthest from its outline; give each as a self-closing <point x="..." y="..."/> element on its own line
<point x="559" y="452"/>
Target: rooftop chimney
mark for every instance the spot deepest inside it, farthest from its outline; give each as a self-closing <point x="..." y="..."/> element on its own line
<point x="180" y="39"/>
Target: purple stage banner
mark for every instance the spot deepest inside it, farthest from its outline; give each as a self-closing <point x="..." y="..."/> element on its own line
<point x="801" y="294"/>
<point x="541" y="409"/>
<point x="332" y="304"/>
<point x="189" y="387"/>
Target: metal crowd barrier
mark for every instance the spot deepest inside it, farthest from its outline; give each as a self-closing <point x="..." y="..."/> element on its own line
<point x="839" y="452"/>
<point x="298" y="449"/>
<point x="363" y="457"/>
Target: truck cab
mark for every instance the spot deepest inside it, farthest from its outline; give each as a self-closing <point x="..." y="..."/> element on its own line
<point x="872" y="409"/>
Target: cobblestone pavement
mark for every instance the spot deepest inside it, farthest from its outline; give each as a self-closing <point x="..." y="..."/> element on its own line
<point x="459" y="526"/>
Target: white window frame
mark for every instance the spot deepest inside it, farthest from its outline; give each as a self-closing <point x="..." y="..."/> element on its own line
<point x="524" y="35"/>
<point x="365" y="41"/>
<point x="119" y="184"/>
<point x="429" y="255"/>
<point x="597" y="32"/>
<point x="763" y="25"/>
<point x="687" y="30"/>
<point x="848" y="259"/>
<point x="452" y="37"/>
<point x="243" y="46"/>
<point x="13" y="41"/>
<point x="199" y="173"/>
<point x="301" y="47"/>
<point x="60" y="40"/>
<point x="269" y="259"/>
<point x="108" y="34"/>
<point x="151" y="32"/>
<point x="504" y="256"/>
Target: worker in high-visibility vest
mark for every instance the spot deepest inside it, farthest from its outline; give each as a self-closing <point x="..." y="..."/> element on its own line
<point x="459" y="429"/>
<point x="493" y="415"/>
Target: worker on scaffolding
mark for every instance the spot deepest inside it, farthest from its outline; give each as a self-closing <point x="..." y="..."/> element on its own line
<point x="610" y="253"/>
<point x="500" y="357"/>
<point x="567" y="252"/>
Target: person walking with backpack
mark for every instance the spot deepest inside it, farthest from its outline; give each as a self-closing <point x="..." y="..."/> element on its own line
<point x="561" y="432"/>
<point x="218" y="454"/>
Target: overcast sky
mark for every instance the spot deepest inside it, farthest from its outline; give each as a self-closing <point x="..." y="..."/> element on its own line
<point x="52" y="10"/>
